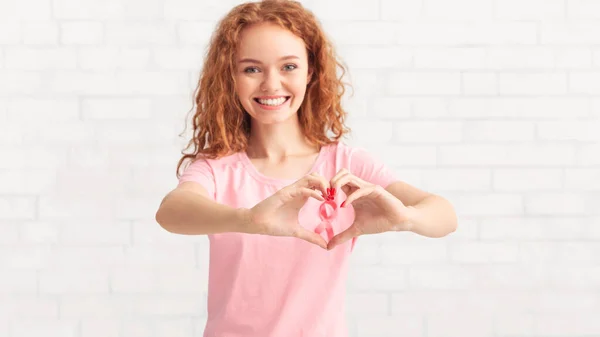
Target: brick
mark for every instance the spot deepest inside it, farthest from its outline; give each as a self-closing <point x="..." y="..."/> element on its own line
<point x="109" y="109"/>
<point x="474" y="84"/>
<point x="462" y="33"/>
<point x="171" y="255"/>
<point x="360" y="10"/>
<point x="100" y="327"/>
<point x="540" y="228"/>
<point x="574" y="58"/>
<point x="540" y="108"/>
<point x="73" y="281"/>
<point x="363" y="57"/>
<point x="542" y="10"/>
<point x="81" y="33"/>
<point x="423" y="132"/>
<point x="195" y="32"/>
<point x="490" y="204"/>
<point x="92" y="232"/>
<point x="457" y="179"/>
<point x="17" y="281"/>
<point x="10" y="232"/>
<point x="186" y="58"/>
<point x="87" y="9"/>
<point x="555" y="203"/>
<point x="368" y="132"/>
<point x="584" y="82"/>
<point x="417" y="253"/>
<point x="361" y="32"/>
<point x="402" y="10"/>
<point x="498" y="131"/>
<point x="11" y="31"/>
<point x="60" y="109"/>
<point x="137" y="34"/>
<point x="184" y="10"/>
<point x="521" y="58"/>
<point x="367" y="304"/>
<point x="46" y="327"/>
<point x="377" y="278"/>
<point x="174" y="327"/>
<point x="29" y="307"/>
<point x="582" y="179"/>
<point x="569" y="33"/>
<point x="403" y="83"/>
<point x="13" y="82"/>
<point x="441" y="277"/>
<point x="39" y="232"/>
<point x="17" y="207"/>
<point x="582" y="10"/>
<point x="114" y="58"/>
<point x="483" y="252"/>
<point x="411" y="325"/>
<point x="544" y="154"/>
<point x="43" y="32"/>
<point x="443" y="10"/>
<point x="459" y="58"/>
<point x="532" y="83"/>
<point x="462" y="323"/>
<point x="573" y="324"/>
<point x="39" y="59"/>
<point x="527" y="179"/>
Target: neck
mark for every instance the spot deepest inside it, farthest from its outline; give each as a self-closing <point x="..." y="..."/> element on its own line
<point x="278" y="141"/>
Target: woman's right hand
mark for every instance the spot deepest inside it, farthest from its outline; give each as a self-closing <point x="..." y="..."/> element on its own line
<point x="277" y="215"/>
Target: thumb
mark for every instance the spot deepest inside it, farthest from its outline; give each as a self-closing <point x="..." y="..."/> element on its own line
<point x="342" y="237"/>
<point x="312" y="237"/>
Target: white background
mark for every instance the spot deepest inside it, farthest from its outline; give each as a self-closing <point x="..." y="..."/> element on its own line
<point x="493" y="104"/>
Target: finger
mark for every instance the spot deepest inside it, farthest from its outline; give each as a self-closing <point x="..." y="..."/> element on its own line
<point x="307" y="192"/>
<point x="343" y="237"/>
<point x="312" y="237"/>
<point x="314" y="180"/>
<point x="334" y="181"/>
<point x="347" y="179"/>
<point x="361" y="192"/>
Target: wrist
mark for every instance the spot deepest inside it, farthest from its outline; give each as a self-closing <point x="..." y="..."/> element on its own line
<point x="412" y="216"/>
<point x="244" y="221"/>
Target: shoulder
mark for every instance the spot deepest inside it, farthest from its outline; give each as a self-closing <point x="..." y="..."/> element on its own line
<point x="366" y="165"/>
<point x="353" y="152"/>
<point x="216" y="163"/>
<point x="209" y="168"/>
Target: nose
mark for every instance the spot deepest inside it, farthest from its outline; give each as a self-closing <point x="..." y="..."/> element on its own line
<point x="271" y="82"/>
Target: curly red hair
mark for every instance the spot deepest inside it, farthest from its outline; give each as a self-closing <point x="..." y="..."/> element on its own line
<point x="220" y="124"/>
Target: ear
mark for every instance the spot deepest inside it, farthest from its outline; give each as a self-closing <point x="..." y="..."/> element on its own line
<point x="309" y="76"/>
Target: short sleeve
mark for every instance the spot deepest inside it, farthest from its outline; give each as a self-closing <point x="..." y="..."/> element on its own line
<point x="370" y="168"/>
<point x="199" y="171"/>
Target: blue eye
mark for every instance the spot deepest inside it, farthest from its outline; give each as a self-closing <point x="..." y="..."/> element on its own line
<point x="290" y="65"/>
<point x="250" y="68"/>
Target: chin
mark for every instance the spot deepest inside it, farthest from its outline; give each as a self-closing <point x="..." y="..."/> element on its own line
<point x="275" y="117"/>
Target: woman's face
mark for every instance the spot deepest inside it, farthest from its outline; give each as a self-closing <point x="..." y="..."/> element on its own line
<point x="271" y="72"/>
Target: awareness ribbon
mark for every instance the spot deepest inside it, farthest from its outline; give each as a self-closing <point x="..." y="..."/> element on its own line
<point x="327" y="212"/>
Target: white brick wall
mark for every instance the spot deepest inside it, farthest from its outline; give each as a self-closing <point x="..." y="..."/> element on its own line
<point x="493" y="104"/>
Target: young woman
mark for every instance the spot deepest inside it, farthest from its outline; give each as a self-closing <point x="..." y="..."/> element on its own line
<point x="281" y="201"/>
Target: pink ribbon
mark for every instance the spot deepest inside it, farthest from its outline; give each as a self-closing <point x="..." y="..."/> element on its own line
<point x="327" y="212"/>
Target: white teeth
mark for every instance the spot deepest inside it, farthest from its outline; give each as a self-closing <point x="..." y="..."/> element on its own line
<point x="273" y="102"/>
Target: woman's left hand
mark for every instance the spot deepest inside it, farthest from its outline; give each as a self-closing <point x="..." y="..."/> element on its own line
<point x="375" y="209"/>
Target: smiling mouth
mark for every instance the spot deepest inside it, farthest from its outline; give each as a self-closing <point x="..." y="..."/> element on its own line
<point x="273" y="102"/>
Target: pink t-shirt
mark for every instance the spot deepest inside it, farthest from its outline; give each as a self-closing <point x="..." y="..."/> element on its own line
<point x="268" y="286"/>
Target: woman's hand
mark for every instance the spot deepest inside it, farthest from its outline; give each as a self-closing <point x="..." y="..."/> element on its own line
<point x="375" y="209"/>
<point x="277" y="215"/>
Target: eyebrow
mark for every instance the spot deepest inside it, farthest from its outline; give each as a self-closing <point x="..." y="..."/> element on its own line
<point x="249" y="60"/>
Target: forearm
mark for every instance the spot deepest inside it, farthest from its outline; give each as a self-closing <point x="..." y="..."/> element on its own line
<point x="433" y="217"/>
<point x="184" y="212"/>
